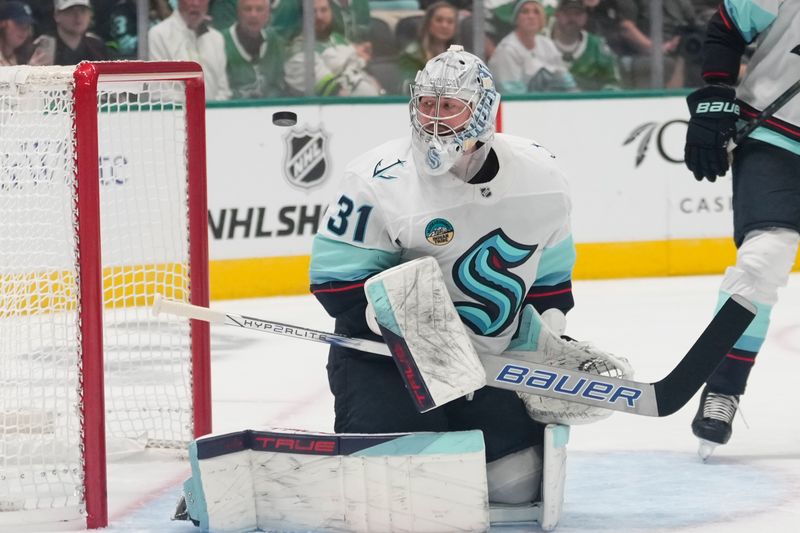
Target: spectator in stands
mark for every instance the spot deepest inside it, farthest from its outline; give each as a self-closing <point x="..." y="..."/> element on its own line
<point x="438" y="31"/>
<point x="351" y="18"/>
<point x="525" y="60"/>
<point x="255" y="53"/>
<point x="591" y="62"/>
<point x="223" y="13"/>
<point x="679" y="19"/>
<point x="122" y="30"/>
<point x="501" y="14"/>
<point x="186" y="35"/>
<point x="465" y="5"/>
<point x="16" y="23"/>
<point x="43" y="17"/>
<point x="72" y="42"/>
<point x="339" y="67"/>
<point x="466" y="36"/>
<point x="626" y="26"/>
<point x="614" y="21"/>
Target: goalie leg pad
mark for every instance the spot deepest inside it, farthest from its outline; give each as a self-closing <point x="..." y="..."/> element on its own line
<point x="295" y="481"/>
<point x="554" y="476"/>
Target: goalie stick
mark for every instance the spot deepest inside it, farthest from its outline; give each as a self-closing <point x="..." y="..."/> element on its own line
<point x="661" y="398"/>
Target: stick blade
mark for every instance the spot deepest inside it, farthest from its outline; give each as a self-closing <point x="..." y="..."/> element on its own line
<point x="730" y="322"/>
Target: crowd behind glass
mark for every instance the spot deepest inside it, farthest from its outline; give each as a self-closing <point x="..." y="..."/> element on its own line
<point x="258" y="48"/>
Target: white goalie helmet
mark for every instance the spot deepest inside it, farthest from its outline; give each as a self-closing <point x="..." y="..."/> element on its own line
<point x="442" y="131"/>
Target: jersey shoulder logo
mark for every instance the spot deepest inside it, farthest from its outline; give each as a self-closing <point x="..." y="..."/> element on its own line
<point x="484" y="273"/>
<point x="439" y="232"/>
<point x="379" y="172"/>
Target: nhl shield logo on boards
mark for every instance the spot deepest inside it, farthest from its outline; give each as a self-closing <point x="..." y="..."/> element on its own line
<point x="305" y="160"/>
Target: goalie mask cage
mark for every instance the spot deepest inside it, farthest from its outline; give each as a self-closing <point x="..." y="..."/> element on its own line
<point x="102" y="160"/>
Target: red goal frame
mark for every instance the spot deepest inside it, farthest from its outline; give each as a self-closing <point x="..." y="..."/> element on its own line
<point x="87" y="75"/>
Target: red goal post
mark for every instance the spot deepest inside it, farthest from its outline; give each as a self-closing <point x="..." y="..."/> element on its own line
<point x="103" y="189"/>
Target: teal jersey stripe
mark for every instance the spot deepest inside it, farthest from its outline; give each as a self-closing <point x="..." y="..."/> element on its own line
<point x="749" y="17"/>
<point x="449" y="443"/>
<point x="557" y="263"/>
<point x="333" y="260"/>
<point x="776" y="139"/>
<point x="753" y="337"/>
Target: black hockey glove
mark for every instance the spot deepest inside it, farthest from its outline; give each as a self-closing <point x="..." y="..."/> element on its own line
<point x="714" y="112"/>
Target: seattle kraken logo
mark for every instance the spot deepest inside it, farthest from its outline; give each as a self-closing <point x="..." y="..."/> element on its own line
<point x="483" y="273"/>
<point x="434" y="160"/>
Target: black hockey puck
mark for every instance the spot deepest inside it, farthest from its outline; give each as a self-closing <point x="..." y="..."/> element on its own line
<point x="284" y="118"/>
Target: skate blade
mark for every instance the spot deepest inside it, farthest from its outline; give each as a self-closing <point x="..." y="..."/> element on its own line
<point x="706" y="448"/>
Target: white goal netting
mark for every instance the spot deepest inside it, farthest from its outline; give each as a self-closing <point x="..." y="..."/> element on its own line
<point x="145" y="243"/>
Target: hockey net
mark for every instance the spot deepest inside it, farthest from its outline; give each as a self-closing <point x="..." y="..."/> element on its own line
<point x="102" y="195"/>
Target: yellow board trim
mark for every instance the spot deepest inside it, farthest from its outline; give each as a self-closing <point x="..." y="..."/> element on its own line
<point x="279" y="276"/>
<point x="261" y="276"/>
<point x="30" y="293"/>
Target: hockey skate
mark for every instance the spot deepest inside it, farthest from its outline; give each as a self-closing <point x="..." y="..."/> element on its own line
<point x="713" y="422"/>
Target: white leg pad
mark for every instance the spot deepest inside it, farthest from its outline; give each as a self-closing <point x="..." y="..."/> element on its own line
<point x="554" y="475"/>
<point x="297" y="481"/>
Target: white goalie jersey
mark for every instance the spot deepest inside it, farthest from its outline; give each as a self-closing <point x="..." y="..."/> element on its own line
<point x="497" y="242"/>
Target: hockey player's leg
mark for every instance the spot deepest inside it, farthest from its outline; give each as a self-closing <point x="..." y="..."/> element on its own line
<point x="370" y="397"/>
<point x="764" y="261"/>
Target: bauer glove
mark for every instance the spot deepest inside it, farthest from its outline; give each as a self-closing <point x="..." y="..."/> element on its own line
<point x="713" y="123"/>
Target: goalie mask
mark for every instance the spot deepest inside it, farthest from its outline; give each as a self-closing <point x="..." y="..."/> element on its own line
<point x="453" y="106"/>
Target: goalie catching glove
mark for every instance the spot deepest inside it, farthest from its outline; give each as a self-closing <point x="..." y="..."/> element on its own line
<point x="536" y="342"/>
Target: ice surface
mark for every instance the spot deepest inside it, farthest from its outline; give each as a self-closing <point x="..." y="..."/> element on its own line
<point x="626" y="474"/>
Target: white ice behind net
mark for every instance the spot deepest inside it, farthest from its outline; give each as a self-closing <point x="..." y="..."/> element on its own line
<point x="145" y="245"/>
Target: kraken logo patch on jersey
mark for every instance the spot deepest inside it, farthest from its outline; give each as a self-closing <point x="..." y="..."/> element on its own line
<point x="484" y="274"/>
<point x="439" y="232"/>
<point x="305" y="158"/>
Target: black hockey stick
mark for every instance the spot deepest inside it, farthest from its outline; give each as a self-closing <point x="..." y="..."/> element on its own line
<point x="767" y="112"/>
<point x="661" y="398"/>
